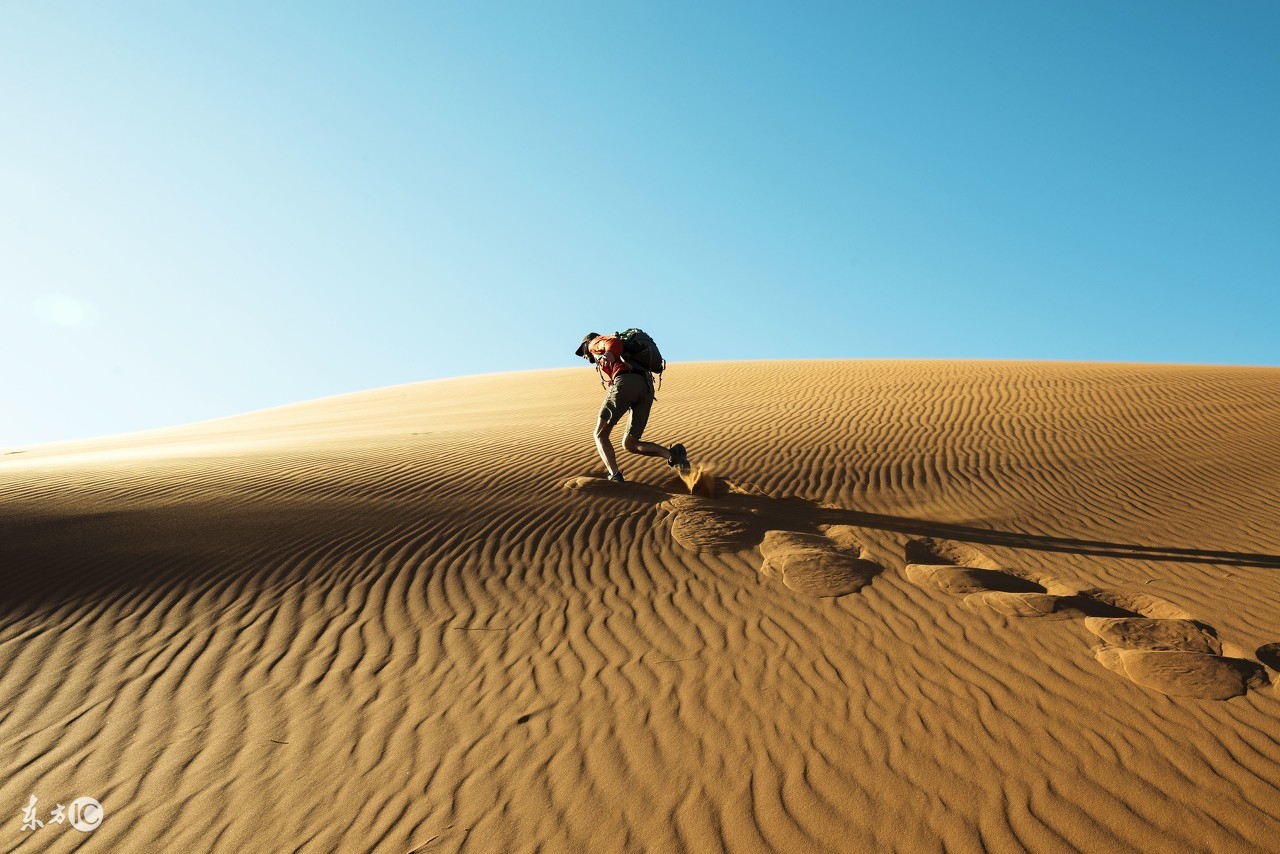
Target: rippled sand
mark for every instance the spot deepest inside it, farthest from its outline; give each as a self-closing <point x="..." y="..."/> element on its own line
<point x="915" y="606"/>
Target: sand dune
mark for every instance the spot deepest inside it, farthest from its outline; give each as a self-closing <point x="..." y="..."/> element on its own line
<point x="926" y="606"/>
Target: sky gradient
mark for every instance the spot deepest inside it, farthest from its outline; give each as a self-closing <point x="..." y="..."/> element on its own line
<point x="228" y="206"/>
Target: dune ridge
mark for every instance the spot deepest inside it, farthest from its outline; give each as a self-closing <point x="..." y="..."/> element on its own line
<point x="416" y="619"/>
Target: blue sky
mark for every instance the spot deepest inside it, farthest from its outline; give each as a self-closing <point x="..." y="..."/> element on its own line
<point x="214" y="208"/>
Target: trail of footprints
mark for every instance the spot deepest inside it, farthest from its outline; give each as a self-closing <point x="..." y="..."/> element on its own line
<point x="827" y="561"/>
<point x="1151" y="642"/>
<point x="1147" y="640"/>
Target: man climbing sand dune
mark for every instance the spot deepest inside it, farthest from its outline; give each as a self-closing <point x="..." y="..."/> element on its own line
<point x="626" y="363"/>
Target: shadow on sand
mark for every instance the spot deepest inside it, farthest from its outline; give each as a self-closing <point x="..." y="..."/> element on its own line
<point x="759" y="512"/>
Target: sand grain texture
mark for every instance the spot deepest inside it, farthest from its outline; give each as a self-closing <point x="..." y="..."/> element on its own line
<point x="921" y="606"/>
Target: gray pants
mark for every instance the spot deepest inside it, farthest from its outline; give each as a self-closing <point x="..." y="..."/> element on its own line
<point x="628" y="392"/>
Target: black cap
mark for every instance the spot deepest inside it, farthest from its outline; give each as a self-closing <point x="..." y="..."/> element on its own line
<point x="586" y="339"/>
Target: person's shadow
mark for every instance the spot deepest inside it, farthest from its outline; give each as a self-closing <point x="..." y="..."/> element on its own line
<point x="754" y="513"/>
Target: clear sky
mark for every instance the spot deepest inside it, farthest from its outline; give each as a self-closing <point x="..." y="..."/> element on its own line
<point x="211" y="208"/>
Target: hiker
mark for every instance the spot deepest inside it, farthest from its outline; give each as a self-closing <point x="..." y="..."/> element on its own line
<point x="629" y="389"/>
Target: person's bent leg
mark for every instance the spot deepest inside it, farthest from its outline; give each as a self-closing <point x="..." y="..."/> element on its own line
<point x="646" y="449"/>
<point x="635" y="428"/>
<point x="604" y="446"/>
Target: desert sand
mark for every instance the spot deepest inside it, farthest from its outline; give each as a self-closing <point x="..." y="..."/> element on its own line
<point x="928" y="606"/>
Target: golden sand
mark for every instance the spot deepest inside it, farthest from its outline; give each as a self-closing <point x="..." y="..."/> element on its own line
<point x="913" y="606"/>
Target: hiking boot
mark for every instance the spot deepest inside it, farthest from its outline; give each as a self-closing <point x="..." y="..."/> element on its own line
<point x="617" y="477"/>
<point x="679" y="459"/>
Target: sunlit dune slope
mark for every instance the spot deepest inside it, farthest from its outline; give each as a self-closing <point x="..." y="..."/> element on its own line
<point x="931" y="605"/>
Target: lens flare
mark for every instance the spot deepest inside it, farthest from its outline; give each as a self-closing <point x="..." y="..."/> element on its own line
<point x="65" y="311"/>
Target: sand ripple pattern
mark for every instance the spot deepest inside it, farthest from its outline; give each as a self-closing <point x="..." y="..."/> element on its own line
<point x="382" y="621"/>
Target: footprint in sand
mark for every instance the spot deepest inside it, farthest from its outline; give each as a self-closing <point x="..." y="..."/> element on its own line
<point x="1269" y="654"/>
<point x="703" y="525"/>
<point x="964" y="571"/>
<point x="1180" y="657"/>
<point x="828" y="564"/>
<point x="1151" y="642"/>
<point x="831" y="562"/>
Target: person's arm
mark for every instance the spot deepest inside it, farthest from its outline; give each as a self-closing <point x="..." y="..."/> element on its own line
<point x="607" y="348"/>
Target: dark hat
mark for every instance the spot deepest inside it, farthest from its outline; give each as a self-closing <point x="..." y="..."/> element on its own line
<point x="586" y="340"/>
